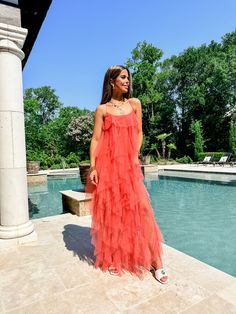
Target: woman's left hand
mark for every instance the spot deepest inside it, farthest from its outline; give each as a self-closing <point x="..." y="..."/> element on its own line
<point x="136" y="161"/>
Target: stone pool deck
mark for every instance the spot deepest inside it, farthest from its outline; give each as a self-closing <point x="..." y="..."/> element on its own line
<point x="226" y="169"/>
<point x="55" y="274"/>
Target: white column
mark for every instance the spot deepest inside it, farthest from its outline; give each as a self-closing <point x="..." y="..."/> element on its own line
<point x="14" y="214"/>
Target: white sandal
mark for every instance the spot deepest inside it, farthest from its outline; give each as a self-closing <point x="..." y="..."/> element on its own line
<point x="113" y="271"/>
<point x="159" y="274"/>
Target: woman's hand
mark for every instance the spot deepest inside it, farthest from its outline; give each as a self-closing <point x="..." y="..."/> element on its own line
<point x="136" y="161"/>
<point x="94" y="177"/>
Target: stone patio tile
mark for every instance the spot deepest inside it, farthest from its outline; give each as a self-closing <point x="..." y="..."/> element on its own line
<point x="127" y="291"/>
<point x="30" y="254"/>
<point x="55" y="255"/>
<point x="212" y="305"/>
<point x="210" y="278"/>
<point x="187" y="289"/>
<point x="147" y="307"/>
<point x="1" y="307"/>
<point x="91" y="299"/>
<point x="9" y="260"/>
<point x="228" y="294"/>
<point x="44" y="238"/>
<point x="27" y="284"/>
<point x="50" y="225"/>
<point x="168" y="302"/>
<point x="194" y="270"/>
<point x="60" y="304"/>
<point x="73" y="275"/>
<point x="54" y="305"/>
<point x="33" y="308"/>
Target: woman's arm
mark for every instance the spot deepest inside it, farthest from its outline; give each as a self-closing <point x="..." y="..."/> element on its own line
<point x="97" y="130"/>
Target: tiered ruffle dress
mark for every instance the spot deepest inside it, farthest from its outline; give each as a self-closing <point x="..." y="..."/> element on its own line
<point x="124" y="231"/>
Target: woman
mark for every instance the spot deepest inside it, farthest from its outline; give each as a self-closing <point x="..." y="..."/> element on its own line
<point x="124" y="231"/>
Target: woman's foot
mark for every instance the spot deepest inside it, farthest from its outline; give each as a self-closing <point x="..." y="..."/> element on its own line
<point x="161" y="276"/>
<point x="113" y="271"/>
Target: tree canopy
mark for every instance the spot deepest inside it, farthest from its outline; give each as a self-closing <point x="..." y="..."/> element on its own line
<point x="183" y="98"/>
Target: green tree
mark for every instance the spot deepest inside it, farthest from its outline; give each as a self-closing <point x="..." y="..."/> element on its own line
<point x="80" y="130"/>
<point x="46" y="123"/>
<point x="232" y="138"/>
<point x="47" y="104"/>
<point x="196" y="128"/>
<point x="32" y="124"/>
<point x="162" y="138"/>
<point x="41" y="106"/>
<point x="59" y="127"/>
<point x="202" y="84"/>
<point x="155" y="147"/>
<point x="171" y="147"/>
<point x="149" y="86"/>
<point x="144" y="63"/>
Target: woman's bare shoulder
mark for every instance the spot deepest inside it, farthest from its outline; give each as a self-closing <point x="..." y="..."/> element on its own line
<point x="101" y="109"/>
<point x="135" y="102"/>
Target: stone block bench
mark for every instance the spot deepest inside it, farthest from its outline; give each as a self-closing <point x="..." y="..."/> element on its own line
<point x="149" y="168"/>
<point x="75" y="202"/>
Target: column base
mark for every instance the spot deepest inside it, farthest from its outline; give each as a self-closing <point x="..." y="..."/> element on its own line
<point x="14" y="232"/>
<point x="26" y="240"/>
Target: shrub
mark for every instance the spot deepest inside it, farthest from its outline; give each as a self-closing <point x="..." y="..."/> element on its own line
<point x="43" y="162"/>
<point x="196" y="128"/>
<point x="73" y="165"/>
<point x="153" y="159"/>
<point x="72" y="158"/>
<point x="57" y="159"/>
<point x="184" y="160"/>
<point x="87" y="161"/>
<point x="56" y="166"/>
<point x="33" y="156"/>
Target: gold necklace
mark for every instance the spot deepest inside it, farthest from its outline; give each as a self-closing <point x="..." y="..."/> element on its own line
<point x="118" y="105"/>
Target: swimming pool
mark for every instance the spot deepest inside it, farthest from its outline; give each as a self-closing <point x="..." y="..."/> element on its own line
<point x="196" y="212"/>
<point x="45" y="198"/>
<point x="197" y="216"/>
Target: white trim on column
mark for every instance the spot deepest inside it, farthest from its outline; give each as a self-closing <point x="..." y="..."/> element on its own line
<point x="13" y="33"/>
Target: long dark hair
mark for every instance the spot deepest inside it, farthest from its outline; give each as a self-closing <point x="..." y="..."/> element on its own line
<point x="111" y="74"/>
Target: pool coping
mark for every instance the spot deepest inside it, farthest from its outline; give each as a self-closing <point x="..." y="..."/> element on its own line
<point x="195" y="168"/>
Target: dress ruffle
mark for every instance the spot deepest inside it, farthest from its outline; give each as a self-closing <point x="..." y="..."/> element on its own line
<point x="124" y="231"/>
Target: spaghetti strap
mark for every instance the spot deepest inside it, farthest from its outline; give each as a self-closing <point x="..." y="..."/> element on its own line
<point x="131" y="106"/>
<point x="105" y="109"/>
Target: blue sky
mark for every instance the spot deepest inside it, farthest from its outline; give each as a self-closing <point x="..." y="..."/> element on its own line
<point x="79" y="39"/>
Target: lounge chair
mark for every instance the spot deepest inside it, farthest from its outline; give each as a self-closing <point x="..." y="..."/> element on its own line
<point x="224" y="160"/>
<point x="208" y="160"/>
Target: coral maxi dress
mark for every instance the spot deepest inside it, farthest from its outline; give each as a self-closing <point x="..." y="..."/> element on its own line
<point x="124" y="231"/>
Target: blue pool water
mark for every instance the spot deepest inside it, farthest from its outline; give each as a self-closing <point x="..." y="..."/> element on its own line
<point x="196" y="215"/>
<point x="45" y="198"/>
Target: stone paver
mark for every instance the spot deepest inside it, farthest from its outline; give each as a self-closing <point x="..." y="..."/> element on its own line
<point x="55" y="274"/>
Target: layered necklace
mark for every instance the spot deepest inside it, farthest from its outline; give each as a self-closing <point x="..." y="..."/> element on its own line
<point x="118" y="105"/>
